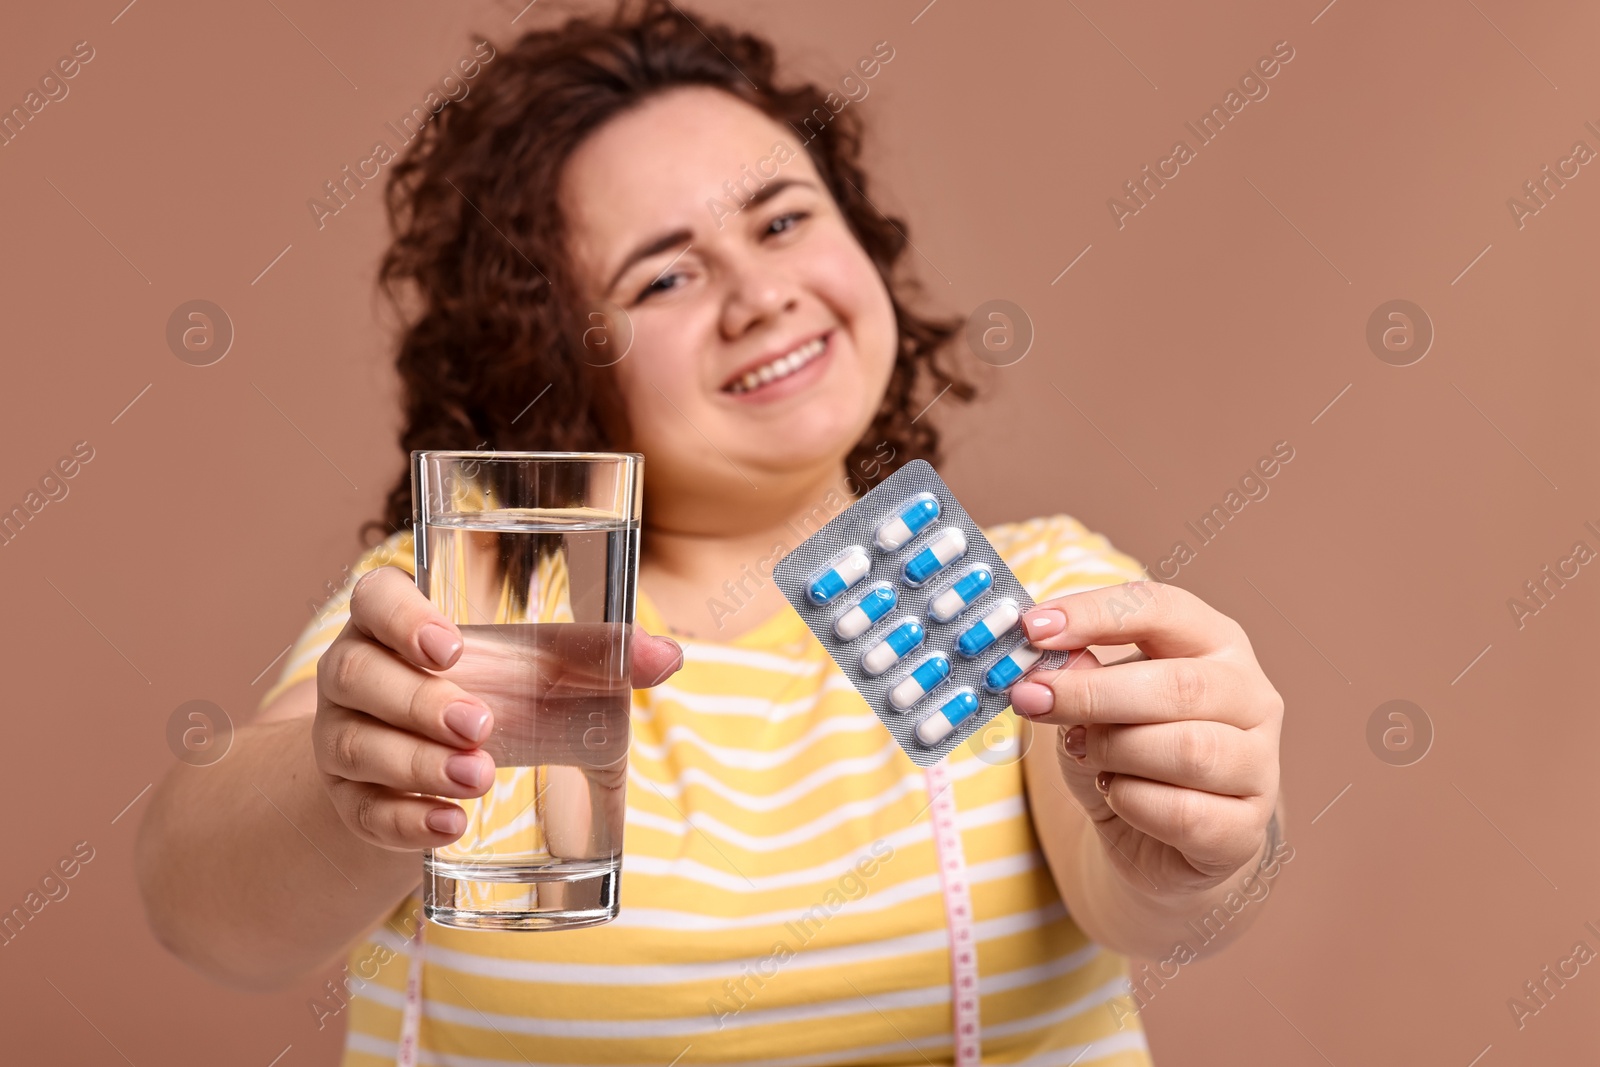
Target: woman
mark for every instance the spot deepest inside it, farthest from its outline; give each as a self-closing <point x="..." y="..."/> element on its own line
<point x="773" y="372"/>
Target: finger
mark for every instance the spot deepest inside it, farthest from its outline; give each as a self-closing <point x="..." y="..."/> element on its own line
<point x="1216" y="834"/>
<point x="396" y="821"/>
<point x="1076" y="776"/>
<point x="1152" y="690"/>
<point x="655" y="659"/>
<point x="359" y="748"/>
<point x="1210" y="756"/>
<point x="387" y="606"/>
<point x="1163" y="620"/>
<point x="362" y="675"/>
<point x="563" y="657"/>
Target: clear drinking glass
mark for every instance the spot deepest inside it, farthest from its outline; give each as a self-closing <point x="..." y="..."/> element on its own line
<point x="535" y="556"/>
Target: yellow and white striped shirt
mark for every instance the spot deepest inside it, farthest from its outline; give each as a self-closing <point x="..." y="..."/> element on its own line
<point x="781" y="899"/>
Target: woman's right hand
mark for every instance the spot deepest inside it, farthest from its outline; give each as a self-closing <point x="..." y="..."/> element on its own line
<point x="387" y="727"/>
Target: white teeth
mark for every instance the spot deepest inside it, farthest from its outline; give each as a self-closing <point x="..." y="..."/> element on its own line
<point x="781" y="367"/>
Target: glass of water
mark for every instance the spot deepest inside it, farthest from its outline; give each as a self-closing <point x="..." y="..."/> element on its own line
<point x="535" y="557"/>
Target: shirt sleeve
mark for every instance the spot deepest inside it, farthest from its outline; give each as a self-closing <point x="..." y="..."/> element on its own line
<point x="301" y="661"/>
<point x="1056" y="555"/>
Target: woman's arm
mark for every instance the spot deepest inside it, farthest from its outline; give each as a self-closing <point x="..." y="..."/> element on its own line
<point x="1153" y="782"/>
<point x="247" y="871"/>
<point x="1114" y="904"/>
<point x="267" y="865"/>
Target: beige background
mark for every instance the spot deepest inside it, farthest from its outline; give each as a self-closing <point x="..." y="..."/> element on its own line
<point x="1226" y="316"/>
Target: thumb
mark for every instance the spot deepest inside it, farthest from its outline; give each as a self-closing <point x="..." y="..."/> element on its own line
<point x="655" y="659"/>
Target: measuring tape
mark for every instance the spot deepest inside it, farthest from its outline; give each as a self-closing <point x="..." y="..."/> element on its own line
<point x="958" y="914"/>
<point x="411" y="1021"/>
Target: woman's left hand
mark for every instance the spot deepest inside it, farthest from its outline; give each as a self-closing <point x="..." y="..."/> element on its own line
<point x="1172" y="753"/>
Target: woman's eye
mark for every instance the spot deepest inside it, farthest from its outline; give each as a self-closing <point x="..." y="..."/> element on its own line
<point x="658" y="286"/>
<point x="791" y="217"/>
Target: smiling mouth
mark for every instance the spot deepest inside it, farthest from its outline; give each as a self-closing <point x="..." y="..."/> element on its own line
<point x="776" y="370"/>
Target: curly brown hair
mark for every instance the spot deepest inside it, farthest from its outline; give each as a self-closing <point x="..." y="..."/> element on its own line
<point x="496" y="313"/>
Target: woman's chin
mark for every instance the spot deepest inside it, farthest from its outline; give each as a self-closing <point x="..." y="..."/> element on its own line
<point x="800" y="454"/>
<point x="754" y="462"/>
<point x="814" y="441"/>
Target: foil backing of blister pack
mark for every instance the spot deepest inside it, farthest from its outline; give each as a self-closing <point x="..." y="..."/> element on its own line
<point x="858" y="525"/>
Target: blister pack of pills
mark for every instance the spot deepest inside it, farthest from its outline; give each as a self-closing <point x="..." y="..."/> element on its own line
<point x="917" y="609"/>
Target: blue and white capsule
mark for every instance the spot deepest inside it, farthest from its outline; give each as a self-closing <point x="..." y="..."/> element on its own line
<point x="949" y="546"/>
<point x="1008" y="671"/>
<point x="892" y="649"/>
<point x="874" y="605"/>
<point x="968" y="588"/>
<point x="984" y="633"/>
<point x="912" y="520"/>
<point x="920" y="682"/>
<point x="955" y="711"/>
<point x="850" y="569"/>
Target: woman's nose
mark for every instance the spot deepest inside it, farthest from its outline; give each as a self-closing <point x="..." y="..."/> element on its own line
<point x="756" y="294"/>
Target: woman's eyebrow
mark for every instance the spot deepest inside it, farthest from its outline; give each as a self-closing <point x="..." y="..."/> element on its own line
<point x="650" y="248"/>
<point x="773" y="188"/>
<point x="666" y="241"/>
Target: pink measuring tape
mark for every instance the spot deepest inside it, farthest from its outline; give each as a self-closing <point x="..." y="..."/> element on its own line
<point x="411" y="1020"/>
<point x="958" y="915"/>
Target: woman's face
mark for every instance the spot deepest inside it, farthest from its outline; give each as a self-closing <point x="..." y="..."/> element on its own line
<point x="763" y="337"/>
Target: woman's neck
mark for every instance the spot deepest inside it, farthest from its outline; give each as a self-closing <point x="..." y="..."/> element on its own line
<point x="706" y="564"/>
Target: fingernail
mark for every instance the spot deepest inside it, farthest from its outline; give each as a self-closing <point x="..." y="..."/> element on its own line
<point x="468" y="769"/>
<point x="1044" y="622"/>
<point x="1102" y="782"/>
<point x="671" y="668"/>
<point x="446" y="820"/>
<point x="438" y="643"/>
<point x="1031" y="698"/>
<point x="1076" y="742"/>
<point x="471" y="721"/>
